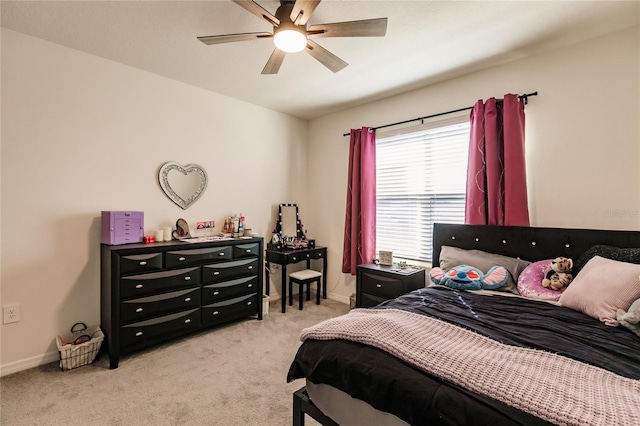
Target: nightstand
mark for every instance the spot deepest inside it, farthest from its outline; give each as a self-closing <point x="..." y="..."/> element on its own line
<point x="377" y="283"/>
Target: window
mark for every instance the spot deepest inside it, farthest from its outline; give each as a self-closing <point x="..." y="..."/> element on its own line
<point x="421" y="179"/>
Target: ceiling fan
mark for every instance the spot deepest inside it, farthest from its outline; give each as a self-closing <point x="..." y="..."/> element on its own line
<point x="291" y="34"/>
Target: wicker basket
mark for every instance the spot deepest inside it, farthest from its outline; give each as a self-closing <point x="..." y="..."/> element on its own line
<point x="80" y="346"/>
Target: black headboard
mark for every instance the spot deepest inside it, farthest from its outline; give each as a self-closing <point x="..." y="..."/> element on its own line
<point x="528" y="243"/>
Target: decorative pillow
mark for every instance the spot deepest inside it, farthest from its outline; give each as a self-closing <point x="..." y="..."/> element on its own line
<point x="629" y="255"/>
<point x="602" y="287"/>
<point x="530" y="282"/>
<point x="465" y="277"/>
<point x="454" y="256"/>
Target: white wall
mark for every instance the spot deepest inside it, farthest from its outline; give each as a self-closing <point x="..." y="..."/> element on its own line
<point x="582" y="139"/>
<point x="81" y="134"/>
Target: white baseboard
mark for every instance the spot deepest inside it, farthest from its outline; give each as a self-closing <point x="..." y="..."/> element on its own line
<point x="25" y="364"/>
<point x="36" y="361"/>
<point x="332" y="296"/>
<point x="339" y="298"/>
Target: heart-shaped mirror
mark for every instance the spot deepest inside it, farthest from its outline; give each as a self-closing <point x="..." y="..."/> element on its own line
<point x="183" y="185"/>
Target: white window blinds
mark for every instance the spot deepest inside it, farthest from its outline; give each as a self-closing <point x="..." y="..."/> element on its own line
<point x="421" y="179"/>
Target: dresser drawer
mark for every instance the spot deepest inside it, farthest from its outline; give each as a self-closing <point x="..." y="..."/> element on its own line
<point x="157" y="282"/>
<point x="218" y="272"/>
<point x="246" y="250"/>
<point x="225" y="290"/>
<point x="153" y="306"/>
<point x="381" y="286"/>
<point x="221" y="311"/>
<point x="197" y="256"/>
<point x="143" y="332"/>
<point x="140" y="263"/>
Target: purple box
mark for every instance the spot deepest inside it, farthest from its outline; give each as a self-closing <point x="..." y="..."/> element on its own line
<point x="122" y="227"/>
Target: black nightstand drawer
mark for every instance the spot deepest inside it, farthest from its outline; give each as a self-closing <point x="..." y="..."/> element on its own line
<point x="368" y="300"/>
<point x="381" y="285"/>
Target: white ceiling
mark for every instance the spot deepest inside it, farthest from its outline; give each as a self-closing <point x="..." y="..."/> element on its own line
<point x="426" y="42"/>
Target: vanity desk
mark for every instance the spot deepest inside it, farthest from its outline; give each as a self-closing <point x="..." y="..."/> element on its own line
<point x="287" y="256"/>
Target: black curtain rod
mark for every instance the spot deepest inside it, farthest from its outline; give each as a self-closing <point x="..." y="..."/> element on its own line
<point x="525" y="97"/>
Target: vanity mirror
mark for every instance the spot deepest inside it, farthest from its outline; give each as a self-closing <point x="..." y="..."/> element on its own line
<point x="183" y="185"/>
<point x="288" y="221"/>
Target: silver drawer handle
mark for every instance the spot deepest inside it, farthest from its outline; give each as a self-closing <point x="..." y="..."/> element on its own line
<point x="187" y="321"/>
<point x="139" y="310"/>
<point x="378" y="285"/>
<point x="308" y="255"/>
<point x="248" y="251"/>
<point x="139" y="286"/>
<point x="188" y="299"/>
<point x="143" y="263"/>
<point x="181" y="259"/>
<point x="221" y="253"/>
<point x="215" y="293"/>
<point x="248" y="303"/>
<point x="295" y="258"/>
<point x="319" y="254"/>
<point x="250" y="285"/>
<point x="216" y="273"/>
<point x="215" y="312"/>
<point x="249" y="267"/>
<point x="139" y="333"/>
<point x="187" y="278"/>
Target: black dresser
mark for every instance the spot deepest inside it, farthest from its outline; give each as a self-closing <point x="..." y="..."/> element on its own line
<point x="377" y="283"/>
<point x="151" y="293"/>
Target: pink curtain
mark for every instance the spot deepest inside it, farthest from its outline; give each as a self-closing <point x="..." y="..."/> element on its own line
<point x="496" y="175"/>
<point x="360" y="219"/>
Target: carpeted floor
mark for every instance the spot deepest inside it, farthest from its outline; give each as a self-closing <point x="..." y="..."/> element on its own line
<point x="226" y="376"/>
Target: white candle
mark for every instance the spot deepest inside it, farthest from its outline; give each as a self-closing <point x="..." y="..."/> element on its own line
<point x="167" y="233"/>
<point x="159" y="235"/>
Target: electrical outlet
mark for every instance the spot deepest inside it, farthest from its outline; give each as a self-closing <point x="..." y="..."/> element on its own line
<point x="11" y="313"/>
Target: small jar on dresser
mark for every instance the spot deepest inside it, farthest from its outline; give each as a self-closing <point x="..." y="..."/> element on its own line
<point x="377" y="283"/>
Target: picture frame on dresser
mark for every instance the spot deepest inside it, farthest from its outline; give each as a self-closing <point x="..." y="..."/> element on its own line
<point x="153" y="293"/>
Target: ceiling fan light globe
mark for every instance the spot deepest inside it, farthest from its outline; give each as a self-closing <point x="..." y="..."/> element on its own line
<point x="290" y="41"/>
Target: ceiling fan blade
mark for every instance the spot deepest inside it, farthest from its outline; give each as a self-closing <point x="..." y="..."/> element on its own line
<point x="302" y="11"/>
<point x="228" y="38"/>
<point x="274" y="62"/>
<point x="365" y="28"/>
<point x="258" y="10"/>
<point x="325" y="57"/>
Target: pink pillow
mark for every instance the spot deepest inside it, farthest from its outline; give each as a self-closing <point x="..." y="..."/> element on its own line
<point x="530" y="282"/>
<point x="602" y="287"/>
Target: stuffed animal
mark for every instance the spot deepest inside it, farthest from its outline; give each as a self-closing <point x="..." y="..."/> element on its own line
<point x="559" y="275"/>
<point x="465" y="277"/>
<point x="631" y="318"/>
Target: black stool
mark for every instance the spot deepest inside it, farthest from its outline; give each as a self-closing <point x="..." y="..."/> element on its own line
<point x="302" y="278"/>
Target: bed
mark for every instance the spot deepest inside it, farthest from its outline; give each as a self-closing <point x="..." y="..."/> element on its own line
<point x="440" y="355"/>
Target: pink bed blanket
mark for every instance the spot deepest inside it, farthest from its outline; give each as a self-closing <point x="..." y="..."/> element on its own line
<point x="549" y="386"/>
